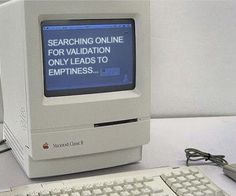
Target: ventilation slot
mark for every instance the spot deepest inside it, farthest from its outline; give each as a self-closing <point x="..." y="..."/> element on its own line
<point x="14" y="144"/>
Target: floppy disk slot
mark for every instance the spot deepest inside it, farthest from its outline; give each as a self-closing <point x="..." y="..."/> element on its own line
<point x="104" y="124"/>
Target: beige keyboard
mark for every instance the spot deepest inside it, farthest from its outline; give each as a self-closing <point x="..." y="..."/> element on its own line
<point x="184" y="181"/>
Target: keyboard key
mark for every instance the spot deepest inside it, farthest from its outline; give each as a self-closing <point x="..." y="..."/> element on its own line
<point x="44" y="193"/>
<point x="154" y="186"/>
<point x="148" y="179"/>
<point x="198" y="193"/>
<point x="97" y="191"/>
<point x="199" y="176"/>
<point x="128" y="187"/>
<point x="33" y="194"/>
<point x="208" y="193"/>
<point x="88" y="187"/>
<point x="176" y="173"/>
<point x="138" y="185"/>
<point x="77" y="189"/>
<point x="161" y="194"/>
<point x="190" y="178"/>
<point x="146" y="190"/>
<point x="187" y="184"/>
<point x="196" y="183"/>
<point x="66" y="190"/>
<point x="114" y="194"/>
<point x="99" y="185"/>
<point x="192" y="189"/>
<point x="119" y="182"/>
<point x="166" y="176"/>
<point x="109" y="183"/>
<point x="64" y="194"/>
<point x="202" y="187"/>
<point x="181" y="179"/>
<point x="75" y="194"/>
<point x="107" y="190"/>
<point x="185" y="172"/>
<point x="171" y="181"/>
<point x="118" y="188"/>
<point x="55" y="192"/>
<point x="124" y="193"/>
<point x="205" y="181"/>
<point x="188" y="194"/>
<point x="176" y="186"/>
<point x="135" y="192"/>
<point x="182" y="191"/>
<point x="86" y="193"/>
<point x="155" y="194"/>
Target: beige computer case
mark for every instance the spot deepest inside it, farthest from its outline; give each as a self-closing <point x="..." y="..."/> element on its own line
<point x="54" y="136"/>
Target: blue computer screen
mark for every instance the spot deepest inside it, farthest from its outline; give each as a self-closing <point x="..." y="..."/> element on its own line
<point x="88" y="56"/>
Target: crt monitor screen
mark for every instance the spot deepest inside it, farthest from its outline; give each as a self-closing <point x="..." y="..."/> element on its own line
<point x="88" y="56"/>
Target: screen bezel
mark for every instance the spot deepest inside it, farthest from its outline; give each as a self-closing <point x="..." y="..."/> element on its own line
<point x="70" y="92"/>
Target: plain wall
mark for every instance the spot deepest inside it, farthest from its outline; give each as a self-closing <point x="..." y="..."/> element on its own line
<point x="1" y="106"/>
<point x="193" y="58"/>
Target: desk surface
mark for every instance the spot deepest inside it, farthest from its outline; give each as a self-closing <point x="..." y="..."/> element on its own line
<point x="169" y="138"/>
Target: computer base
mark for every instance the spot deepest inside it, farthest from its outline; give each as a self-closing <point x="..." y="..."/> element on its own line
<point x="61" y="161"/>
<point x="55" y="167"/>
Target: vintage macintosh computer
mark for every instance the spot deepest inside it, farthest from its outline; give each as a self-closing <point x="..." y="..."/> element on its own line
<point x="76" y="94"/>
<point x="76" y="83"/>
